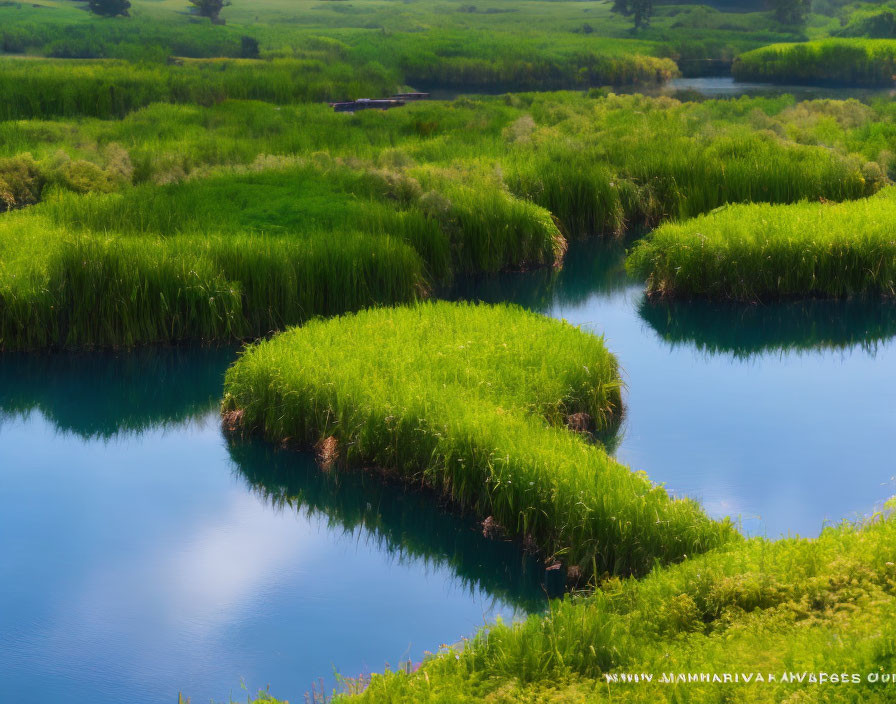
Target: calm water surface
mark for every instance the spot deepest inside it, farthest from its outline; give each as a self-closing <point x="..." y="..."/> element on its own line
<point x="727" y="87"/>
<point x="145" y="554"/>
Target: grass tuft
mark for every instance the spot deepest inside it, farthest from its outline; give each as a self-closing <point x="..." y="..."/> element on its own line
<point x="472" y="401"/>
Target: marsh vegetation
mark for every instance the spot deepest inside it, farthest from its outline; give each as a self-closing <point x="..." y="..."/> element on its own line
<point x="173" y="174"/>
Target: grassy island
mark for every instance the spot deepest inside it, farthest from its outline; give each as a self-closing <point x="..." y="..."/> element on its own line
<point x="763" y="252"/>
<point x="474" y="402"/>
<point x="864" y="62"/>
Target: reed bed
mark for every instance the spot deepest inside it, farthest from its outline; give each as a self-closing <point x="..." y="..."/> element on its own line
<point x="36" y="88"/>
<point x="761" y="252"/>
<point x="621" y="162"/>
<point x="472" y="401"/>
<point x="121" y="291"/>
<point x="759" y="606"/>
<point x="243" y="254"/>
<point x="864" y="62"/>
<point x="387" y="205"/>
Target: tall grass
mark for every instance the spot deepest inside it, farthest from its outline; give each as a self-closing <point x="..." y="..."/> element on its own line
<point x="626" y="161"/>
<point x="37" y="88"/>
<point x="246" y="253"/>
<point x="471" y="401"/>
<point x="759" y="252"/>
<point x="772" y="607"/>
<point x="864" y="62"/>
<point x="87" y="290"/>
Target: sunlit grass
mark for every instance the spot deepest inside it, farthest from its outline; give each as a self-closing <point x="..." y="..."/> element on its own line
<point x="472" y="401"/>
<point x="866" y="62"/>
<point x="759" y="252"/>
<point x="772" y="607"/>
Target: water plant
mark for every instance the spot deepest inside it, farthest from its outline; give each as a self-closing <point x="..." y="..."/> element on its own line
<point x="473" y="401"/>
<point x="866" y="62"/>
<point x="244" y="254"/>
<point x="785" y="615"/>
<point x="761" y="252"/>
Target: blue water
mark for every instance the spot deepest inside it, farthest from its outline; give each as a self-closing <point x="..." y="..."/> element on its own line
<point x="152" y="557"/>
<point x="145" y="554"/>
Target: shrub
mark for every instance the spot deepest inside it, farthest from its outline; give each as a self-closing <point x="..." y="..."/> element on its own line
<point x="21" y="182"/>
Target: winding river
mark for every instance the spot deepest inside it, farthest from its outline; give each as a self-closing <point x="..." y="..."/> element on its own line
<point x="144" y="554"/>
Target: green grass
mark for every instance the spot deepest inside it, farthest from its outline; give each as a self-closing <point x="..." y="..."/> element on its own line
<point x="803" y="606"/>
<point x="761" y="252"/>
<point x="238" y="219"/>
<point x="472" y="401"/>
<point x="41" y="88"/>
<point x="242" y="254"/>
<point x="864" y="62"/>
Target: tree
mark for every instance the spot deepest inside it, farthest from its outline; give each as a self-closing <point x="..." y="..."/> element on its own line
<point x="791" y="12"/>
<point x="639" y="10"/>
<point x="109" y="8"/>
<point x="210" y="8"/>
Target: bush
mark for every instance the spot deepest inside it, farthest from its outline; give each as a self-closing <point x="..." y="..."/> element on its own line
<point x="21" y="182"/>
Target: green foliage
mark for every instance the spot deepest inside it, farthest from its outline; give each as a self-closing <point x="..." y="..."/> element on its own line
<point x="865" y="62"/>
<point x="21" y="182"/>
<point x="759" y="252"/>
<point x="802" y="606"/>
<point x="472" y="401"/>
<point x="209" y="8"/>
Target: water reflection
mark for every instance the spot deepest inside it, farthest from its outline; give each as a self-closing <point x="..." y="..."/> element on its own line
<point x="146" y="555"/>
<point x="410" y="526"/>
<point x="101" y="394"/>
<point x="743" y="331"/>
<point x="591" y="268"/>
